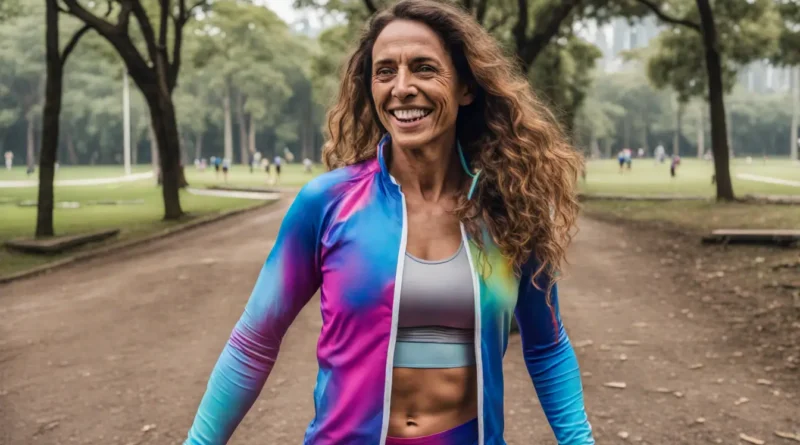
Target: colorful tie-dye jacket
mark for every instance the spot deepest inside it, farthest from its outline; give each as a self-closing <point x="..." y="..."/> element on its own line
<point x="345" y="234"/>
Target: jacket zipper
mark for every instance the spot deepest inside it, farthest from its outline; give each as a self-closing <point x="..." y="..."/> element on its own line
<point x="478" y="356"/>
<point x="398" y="281"/>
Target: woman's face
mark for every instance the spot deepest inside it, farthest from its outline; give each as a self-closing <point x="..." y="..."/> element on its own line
<point x="414" y="85"/>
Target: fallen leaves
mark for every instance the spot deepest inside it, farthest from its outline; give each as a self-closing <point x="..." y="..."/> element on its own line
<point x="751" y="439"/>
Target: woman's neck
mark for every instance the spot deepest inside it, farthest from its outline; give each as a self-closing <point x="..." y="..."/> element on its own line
<point x="432" y="172"/>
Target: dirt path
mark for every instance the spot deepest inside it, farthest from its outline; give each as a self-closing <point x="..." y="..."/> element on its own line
<point x="99" y="352"/>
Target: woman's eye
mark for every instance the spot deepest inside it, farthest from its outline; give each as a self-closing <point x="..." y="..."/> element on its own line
<point x="383" y="72"/>
<point x="426" y="68"/>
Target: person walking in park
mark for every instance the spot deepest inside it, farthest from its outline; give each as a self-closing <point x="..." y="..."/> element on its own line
<point x="448" y="209"/>
<point x="9" y="159"/>
<point x="277" y="161"/>
<point x="673" y="166"/>
<point x="226" y="165"/>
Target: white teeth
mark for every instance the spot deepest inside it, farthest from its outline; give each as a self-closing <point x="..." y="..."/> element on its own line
<point x="410" y="114"/>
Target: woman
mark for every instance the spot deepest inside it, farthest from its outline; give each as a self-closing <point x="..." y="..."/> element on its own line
<point x="448" y="211"/>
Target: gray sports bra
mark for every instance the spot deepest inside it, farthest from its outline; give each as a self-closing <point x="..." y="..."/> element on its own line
<point x="436" y="324"/>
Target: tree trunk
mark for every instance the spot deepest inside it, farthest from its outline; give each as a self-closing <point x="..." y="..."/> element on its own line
<point x="676" y="142"/>
<point x="719" y="139"/>
<point x="607" y="142"/>
<point x="31" y="140"/>
<point x="795" y="73"/>
<point x="135" y="153"/>
<point x="243" y="150"/>
<point x="52" y="110"/>
<point x="165" y="126"/>
<point x="198" y="146"/>
<point x="251" y="137"/>
<point x="154" y="158"/>
<point x="226" y="106"/>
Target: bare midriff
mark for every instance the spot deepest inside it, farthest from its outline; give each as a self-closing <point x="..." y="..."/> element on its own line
<point x="429" y="401"/>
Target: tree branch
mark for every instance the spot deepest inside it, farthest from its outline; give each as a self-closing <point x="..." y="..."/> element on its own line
<point x="146" y="27"/>
<point x="669" y="19"/>
<point x="370" y="6"/>
<point x="73" y="42"/>
<point x="500" y="22"/>
<point x="520" y="30"/>
<point x="480" y="12"/>
<point x="545" y="31"/>
<point x="117" y="36"/>
<point x="75" y="9"/>
<point x="163" y="29"/>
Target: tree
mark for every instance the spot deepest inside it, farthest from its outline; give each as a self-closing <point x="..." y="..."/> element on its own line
<point x="52" y="110"/>
<point x="22" y="71"/>
<point x="154" y="70"/>
<point x="719" y="28"/>
<point x="788" y="54"/>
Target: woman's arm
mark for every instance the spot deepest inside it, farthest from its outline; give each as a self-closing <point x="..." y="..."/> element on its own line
<point x="288" y="279"/>
<point x="552" y="364"/>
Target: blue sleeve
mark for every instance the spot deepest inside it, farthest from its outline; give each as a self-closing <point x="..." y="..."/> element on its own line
<point x="552" y="363"/>
<point x="288" y="279"/>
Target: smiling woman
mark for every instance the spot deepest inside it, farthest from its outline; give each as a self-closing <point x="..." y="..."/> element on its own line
<point x="447" y="212"/>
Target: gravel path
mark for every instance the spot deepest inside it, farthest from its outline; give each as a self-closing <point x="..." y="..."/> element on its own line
<point x="118" y="350"/>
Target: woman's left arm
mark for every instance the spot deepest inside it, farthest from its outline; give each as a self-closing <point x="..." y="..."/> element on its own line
<point x="552" y="363"/>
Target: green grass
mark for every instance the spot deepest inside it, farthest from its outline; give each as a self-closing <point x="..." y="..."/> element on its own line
<point x="134" y="220"/>
<point x="700" y="215"/>
<point x="71" y="172"/>
<point x="292" y="175"/>
<point x="693" y="178"/>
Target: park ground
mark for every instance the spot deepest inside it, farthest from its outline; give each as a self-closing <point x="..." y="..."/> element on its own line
<point x="117" y="350"/>
<point x="138" y="213"/>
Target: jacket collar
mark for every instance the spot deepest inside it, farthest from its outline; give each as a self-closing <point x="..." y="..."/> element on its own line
<point x="386" y="178"/>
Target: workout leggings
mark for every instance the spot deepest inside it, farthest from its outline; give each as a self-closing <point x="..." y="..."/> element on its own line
<point x="466" y="434"/>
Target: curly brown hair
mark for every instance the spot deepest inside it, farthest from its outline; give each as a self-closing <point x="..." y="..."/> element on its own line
<point x="525" y="196"/>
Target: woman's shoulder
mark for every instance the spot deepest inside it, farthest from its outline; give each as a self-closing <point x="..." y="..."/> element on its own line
<point x="330" y="186"/>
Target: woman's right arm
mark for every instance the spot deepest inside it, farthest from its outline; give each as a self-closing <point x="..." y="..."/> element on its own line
<point x="289" y="278"/>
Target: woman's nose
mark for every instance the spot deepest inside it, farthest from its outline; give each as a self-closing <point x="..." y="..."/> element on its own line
<point x="404" y="85"/>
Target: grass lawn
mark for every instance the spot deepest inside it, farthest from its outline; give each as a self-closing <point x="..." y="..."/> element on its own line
<point x="72" y="172"/>
<point x="701" y="216"/>
<point x="134" y="220"/>
<point x="693" y="178"/>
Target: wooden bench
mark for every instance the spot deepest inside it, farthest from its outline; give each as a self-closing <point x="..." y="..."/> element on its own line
<point x="744" y="236"/>
<point x="58" y="244"/>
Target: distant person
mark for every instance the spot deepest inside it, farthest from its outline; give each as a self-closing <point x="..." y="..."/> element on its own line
<point x="256" y="161"/>
<point x="659" y="154"/>
<point x="673" y="167"/>
<point x="277" y="161"/>
<point x="640" y="153"/>
<point x="628" y="157"/>
<point x="9" y="159"/>
<point x="307" y="164"/>
<point x="226" y="165"/>
<point x="621" y="160"/>
<point x="217" y="161"/>
<point x="428" y="235"/>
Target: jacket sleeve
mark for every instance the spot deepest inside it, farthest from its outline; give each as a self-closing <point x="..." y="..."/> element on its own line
<point x="288" y="279"/>
<point x="552" y="363"/>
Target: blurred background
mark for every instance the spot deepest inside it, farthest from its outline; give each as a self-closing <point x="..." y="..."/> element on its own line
<point x="151" y="147"/>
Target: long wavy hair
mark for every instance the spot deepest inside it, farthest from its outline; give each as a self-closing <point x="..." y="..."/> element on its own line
<point x="525" y="196"/>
